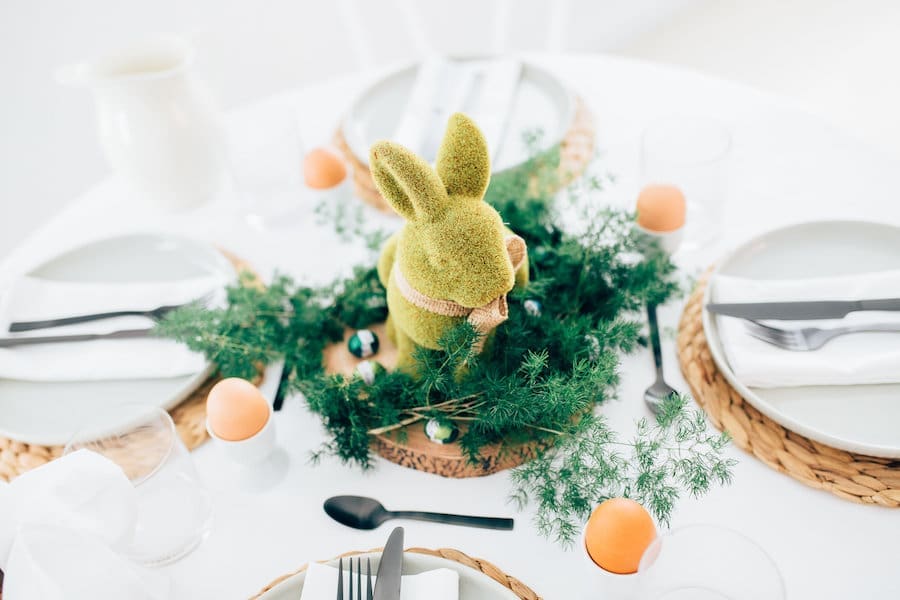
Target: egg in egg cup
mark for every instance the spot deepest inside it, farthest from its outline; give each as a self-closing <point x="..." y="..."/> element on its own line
<point x="239" y="420"/>
<point x="661" y="215"/>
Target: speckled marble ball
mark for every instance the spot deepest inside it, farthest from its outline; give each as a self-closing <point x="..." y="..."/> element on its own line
<point x="363" y="343"/>
<point x="532" y="307"/>
<point x="441" y="432"/>
<point x="369" y="370"/>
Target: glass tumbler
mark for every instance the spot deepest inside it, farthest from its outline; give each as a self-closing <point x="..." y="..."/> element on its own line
<point x="692" y="154"/>
<point x="174" y="509"/>
<point x="707" y="562"/>
<point x="266" y="158"/>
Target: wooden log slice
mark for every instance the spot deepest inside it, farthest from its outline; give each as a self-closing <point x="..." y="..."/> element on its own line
<point x="409" y="446"/>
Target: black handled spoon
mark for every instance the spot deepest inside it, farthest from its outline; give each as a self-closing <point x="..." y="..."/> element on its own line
<point x="360" y="512"/>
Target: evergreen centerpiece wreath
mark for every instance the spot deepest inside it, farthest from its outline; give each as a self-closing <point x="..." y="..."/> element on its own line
<point x="518" y="347"/>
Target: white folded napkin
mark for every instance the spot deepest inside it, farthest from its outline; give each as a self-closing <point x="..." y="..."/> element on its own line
<point x="484" y="90"/>
<point x="32" y="299"/>
<point x="497" y="83"/>
<point x="61" y="530"/>
<point x="440" y="584"/>
<point x="868" y="358"/>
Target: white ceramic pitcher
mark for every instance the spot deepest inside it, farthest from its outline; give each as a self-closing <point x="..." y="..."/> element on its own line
<point x="158" y="127"/>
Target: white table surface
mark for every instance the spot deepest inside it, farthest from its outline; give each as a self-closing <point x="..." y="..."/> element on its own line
<point x="786" y="167"/>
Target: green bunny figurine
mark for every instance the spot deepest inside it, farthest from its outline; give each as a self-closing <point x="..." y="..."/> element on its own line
<point x="453" y="260"/>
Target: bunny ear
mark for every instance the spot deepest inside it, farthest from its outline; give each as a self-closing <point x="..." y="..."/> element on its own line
<point x="463" y="163"/>
<point x="406" y="181"/>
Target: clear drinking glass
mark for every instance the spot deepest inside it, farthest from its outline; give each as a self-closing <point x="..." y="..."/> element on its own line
<point x="691" y="153"/>
<point x="266" y="159"/>
<point x="707" y="562"/>
<point x="174" y="511"/>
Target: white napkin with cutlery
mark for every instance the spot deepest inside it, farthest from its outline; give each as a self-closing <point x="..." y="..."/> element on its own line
<point x="484" y="90"/>
<point x="864" y="358"/>
<point x="320" y="583"/>
<point x="32" y="299"/>
<point x="64" y="525"/>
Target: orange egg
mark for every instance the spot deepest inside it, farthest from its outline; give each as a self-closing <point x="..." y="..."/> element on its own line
<point x="236" y="410"/>
<point x="661" y="208"/>
<point x="617" y="534"/>
<point x="322" y="169"/>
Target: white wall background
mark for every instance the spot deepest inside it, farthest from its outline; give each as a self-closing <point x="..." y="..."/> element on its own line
<point x="841" y="57"/>
<point x="246" y="50"/>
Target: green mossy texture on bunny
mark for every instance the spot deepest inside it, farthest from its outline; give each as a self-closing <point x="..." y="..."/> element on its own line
<point x="454" y="257"/>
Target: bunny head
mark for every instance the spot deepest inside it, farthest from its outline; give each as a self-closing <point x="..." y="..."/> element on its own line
<point x="454" y="245"/>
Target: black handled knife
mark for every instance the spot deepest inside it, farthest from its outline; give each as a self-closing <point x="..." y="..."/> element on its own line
<point x="802" y="311"/>
<point x="387" y="582"/>
<point x="11" y="342"/>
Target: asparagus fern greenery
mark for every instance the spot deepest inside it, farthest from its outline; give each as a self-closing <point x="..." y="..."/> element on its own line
<point x="539" y="379"/>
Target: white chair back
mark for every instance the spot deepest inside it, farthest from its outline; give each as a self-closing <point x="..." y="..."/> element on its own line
<point x="468" y="27"/>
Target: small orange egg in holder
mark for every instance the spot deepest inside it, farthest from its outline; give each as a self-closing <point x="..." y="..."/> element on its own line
<point x="612" y="544"/>
<point x="239" y="420"/>
<point x="325" y="176"/>
<point x="661" y="215"/>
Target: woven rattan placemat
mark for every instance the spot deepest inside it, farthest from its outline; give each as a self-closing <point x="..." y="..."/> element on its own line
<point x="576" y="151"/>
<point x="864" y="479"/>
<point x="189" y="416"/>
<point x="517" y="587"/>
<point x="190" y="421"/>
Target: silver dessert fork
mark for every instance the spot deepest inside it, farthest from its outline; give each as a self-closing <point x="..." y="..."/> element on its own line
<point x="358" y="596"/>
<point x="659" y="390"/>
<point x="810" y="338"/>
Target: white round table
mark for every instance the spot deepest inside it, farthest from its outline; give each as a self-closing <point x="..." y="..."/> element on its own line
<point x="787" y="167"/>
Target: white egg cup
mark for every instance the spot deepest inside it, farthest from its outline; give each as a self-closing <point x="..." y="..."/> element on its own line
<point x="341" y="193"/>
<point x="600" y="584"/>
<point x="669" y="241"/>
<point x="252" y="450"/>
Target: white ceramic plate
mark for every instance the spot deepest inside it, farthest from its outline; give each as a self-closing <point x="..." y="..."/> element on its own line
<point x="473" y="585"/>
<point x="542" y="102"/>
<point x="857" y="418"/>
<point x="45" y="413"/>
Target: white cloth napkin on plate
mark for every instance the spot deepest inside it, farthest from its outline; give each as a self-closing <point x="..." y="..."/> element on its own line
<point x="440" y="584"/>
<point x="484" y="90"/>
<point x="866" y="358"/>
<point x="32" y="299"/>
<point x="62" y="528"/>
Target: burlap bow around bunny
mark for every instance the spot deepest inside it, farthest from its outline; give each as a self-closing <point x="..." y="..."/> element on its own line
<point x="483" y="319"/>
